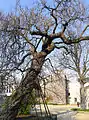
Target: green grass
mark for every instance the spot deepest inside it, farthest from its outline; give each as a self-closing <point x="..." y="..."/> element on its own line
<point x="52" y="104"/>
<point x="55" y="104"/>
<point x="80" y="110"/>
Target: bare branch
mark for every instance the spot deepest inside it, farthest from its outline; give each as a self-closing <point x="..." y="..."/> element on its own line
<point x="84" y="30"/>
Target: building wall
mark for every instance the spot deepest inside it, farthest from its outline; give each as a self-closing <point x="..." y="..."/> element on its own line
<point x="87" y="97"/>
<point x="55" y="90"/>
<point x="74" y="89"/>
<point x="87" y="102"/>
<point x="56" y="93"/>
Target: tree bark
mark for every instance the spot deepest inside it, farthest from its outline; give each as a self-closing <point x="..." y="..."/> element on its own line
<point x="82" y="96"/>
<point x="25" y="88"/>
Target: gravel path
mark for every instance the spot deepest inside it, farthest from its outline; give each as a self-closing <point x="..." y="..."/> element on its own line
<point x="82" y="116"/>
<point x="63" y="111"/>
<point x="67" y="116"/>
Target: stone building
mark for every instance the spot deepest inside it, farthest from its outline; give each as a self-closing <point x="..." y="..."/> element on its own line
<point x="56" y="89"/>
<point x="87" y="96"/>
<point x="74" y="89"/>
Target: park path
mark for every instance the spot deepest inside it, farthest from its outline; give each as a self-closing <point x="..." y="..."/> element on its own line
<point x="63" y="111"/>
<point x="67" y="116"/>
<point x="82" y="116"/>
<point x="56" y="109"/>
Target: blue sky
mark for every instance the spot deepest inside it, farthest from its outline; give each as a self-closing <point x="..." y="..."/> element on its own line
<point x="8" y="5"/>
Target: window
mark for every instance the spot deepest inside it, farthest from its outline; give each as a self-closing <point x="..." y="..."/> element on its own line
<point x="75" y="99"/>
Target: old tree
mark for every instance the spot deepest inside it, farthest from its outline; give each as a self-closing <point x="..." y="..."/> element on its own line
<point x="29" y="36"/>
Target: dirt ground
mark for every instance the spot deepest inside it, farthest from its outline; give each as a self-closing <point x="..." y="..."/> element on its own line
<point x="82" y="116"/>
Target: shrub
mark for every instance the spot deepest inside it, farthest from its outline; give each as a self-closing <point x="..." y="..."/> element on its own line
<point x="79" y="109"/>
<point x="24" y="110"/>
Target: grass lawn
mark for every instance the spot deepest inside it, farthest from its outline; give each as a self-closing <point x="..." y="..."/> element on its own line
<point x="80" y="110"/>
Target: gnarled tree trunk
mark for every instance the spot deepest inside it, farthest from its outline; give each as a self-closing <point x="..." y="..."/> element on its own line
<point x="26" y="87"/>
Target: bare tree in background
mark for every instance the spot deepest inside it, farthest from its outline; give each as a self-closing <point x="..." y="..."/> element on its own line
<point x="77" y="60"/>
<point x="30" y="36"/>
<point x="54" y="86"/>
